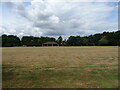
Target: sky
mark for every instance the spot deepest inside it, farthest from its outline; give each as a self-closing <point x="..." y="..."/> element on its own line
<point x="54" y="18"/>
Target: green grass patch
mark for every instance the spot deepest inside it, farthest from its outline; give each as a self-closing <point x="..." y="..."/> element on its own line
<point x="64" y="78"/>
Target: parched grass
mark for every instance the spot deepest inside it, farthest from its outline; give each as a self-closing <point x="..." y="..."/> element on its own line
<point x="60" y="67"/>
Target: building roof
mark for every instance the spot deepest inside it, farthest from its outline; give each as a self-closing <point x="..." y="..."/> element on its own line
<point x="50" y="43"/>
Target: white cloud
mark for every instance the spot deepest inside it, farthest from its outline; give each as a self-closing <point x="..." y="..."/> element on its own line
<point x="63" y="0"/>
<point x="54" y="18"/>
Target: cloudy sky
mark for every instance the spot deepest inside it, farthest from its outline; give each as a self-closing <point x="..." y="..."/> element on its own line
<point x="57" y="17"/>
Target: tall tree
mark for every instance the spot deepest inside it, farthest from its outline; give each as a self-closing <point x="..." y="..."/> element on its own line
<point x="59" y="40"/>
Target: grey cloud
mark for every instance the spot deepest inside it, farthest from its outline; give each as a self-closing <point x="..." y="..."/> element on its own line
<point x="58" y="18"/>
<point x="54" y="33"/>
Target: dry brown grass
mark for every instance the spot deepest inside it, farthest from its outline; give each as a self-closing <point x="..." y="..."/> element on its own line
<point x="78" y="65"/>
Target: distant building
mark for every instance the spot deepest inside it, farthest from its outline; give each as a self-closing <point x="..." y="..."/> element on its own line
<point x="50" y="44"/>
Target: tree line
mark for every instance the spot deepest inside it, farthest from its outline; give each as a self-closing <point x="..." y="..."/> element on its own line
<point x="99" y="39"/>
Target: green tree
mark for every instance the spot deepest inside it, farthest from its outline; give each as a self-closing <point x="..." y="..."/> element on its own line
<point x="71" y="41"/>
<point x="28" y="40"/>
<point x="59" y="40"/>
<point x="10" y="40"/>
<point x="103" y="41"/>
<point x="85" y="41"/>
<point x="4" y="40"/>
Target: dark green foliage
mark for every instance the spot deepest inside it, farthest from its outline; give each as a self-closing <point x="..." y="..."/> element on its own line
<point x="59" y="40"/>
<point x="113" y="38"/>
<point x="28" y="40"/>
<point x="10" y="40"/>
<point x="75" y="41"/>
<point x="103" y="39"/>
<point x="35" y="41"/>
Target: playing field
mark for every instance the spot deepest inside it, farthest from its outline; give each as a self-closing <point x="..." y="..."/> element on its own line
<point x="60" y="67"/>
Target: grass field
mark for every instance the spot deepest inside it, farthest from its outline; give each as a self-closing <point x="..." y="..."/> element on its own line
<point x="60" y="67"/>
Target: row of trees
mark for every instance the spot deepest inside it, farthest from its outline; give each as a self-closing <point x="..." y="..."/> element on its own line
<point x="101" y="39"/>
<point x="11" y="40"/>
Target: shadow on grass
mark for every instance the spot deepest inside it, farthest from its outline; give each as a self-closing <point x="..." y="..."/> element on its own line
<point x="7" y="75"/>
<point x="8" y="72"/>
